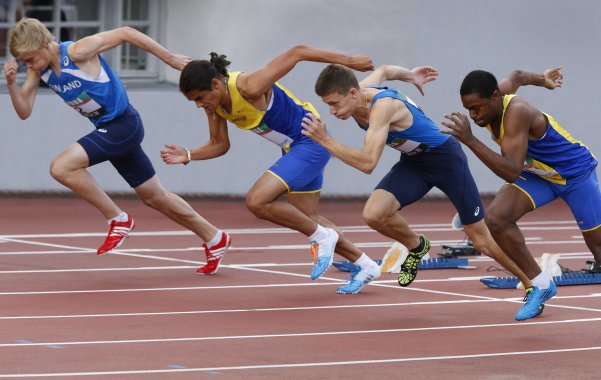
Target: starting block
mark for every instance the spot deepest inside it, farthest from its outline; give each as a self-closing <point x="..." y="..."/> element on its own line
<point x="592" y="267"/>
<point x="568" y="278"/>
<point x="548" y="264"/>
<point x="459" y="250"/>
<point x="438" y="263"/>
<point x="396" y="256"/>
<point x="467" y="249"/>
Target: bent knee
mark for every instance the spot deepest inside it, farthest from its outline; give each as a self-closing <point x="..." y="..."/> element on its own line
<point x="373" y="219"/>
<point x="254" y="205"/>
<point x="495" y="221"/>
<point x="58" y="171"/>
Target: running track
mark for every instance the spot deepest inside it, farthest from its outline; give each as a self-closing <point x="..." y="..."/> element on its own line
<point x="143" y="313"/>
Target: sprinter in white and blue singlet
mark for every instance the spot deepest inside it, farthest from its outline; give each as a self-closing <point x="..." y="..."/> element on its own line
<point x="428" y="158"/>
<point x="77" y="73"/>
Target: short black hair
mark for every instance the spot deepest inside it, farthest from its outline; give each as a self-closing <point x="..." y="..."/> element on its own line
<point x="335" y="78"/>
<point x="198" y="74"/>
<point x="479" y="82"/>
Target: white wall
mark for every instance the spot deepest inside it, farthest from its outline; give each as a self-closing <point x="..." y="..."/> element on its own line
<point x="454" y="36"/>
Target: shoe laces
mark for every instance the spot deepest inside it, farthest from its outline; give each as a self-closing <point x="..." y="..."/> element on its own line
<point x="209" y="254"/>
<point x="411" y="262"/>
<point x="314" y="250"/>
<point x="528" y="291"/>
<point x="119" y="230"/>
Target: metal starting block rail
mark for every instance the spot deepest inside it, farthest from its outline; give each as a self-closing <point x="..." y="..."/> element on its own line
<point x="569" y="278"/>
<point x="437" y="263"/>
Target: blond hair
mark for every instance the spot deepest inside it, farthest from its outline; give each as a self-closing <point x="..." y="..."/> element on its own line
<point x="28" y="35"/>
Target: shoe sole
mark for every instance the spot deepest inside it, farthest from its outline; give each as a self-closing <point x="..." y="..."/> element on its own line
<point x="112" y="249"/>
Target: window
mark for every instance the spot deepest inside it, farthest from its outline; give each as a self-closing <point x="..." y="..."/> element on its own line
<point x="74" y="19"/>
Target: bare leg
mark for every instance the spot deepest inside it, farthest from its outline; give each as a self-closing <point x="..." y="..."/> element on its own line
<point x="300" y="213"/>
<point x="509" y="205"/>
<point x="154" y="195"/>
<point x="263" y="200"/>
<point x="381" y="214"/>
<point x="592" y="239"/>
<point x="483" y="242"/>
<point x="69" y="168"/>
<point x="308" y="204"/>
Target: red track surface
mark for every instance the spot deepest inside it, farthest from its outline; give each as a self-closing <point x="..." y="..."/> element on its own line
<point x="144" y="313"/>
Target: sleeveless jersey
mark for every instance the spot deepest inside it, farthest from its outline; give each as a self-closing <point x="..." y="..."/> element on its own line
<point x="101" y="99"/>
<point x="280" y="123"/>
<point x="556" y="156"/>
<point x="421" y="136"/>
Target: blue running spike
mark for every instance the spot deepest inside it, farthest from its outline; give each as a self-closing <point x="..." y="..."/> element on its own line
<point x="571" y="278"/>
<point x="347" y="266"/>
<point x="437" y="263"/>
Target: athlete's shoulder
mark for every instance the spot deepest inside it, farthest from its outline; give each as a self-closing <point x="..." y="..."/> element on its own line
<point x="516" y="104"/>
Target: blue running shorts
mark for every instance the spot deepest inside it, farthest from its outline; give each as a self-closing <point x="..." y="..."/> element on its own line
<point x="444" y="167"/>
<point x="301" y="168"/>
<point x="581" y="194"/>
<point x="118" y="141"/>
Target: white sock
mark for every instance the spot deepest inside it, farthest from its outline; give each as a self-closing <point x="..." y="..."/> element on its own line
<point x="215" y="240"/>
<point x="542" y="281"/>
<point x="320" y="233"/>
<point x="365" y="261"/>
<point x="119" y="218"/>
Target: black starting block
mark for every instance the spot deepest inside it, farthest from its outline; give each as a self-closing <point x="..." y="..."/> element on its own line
<point x="592" y="267"/>
<point x="459" y="250"/>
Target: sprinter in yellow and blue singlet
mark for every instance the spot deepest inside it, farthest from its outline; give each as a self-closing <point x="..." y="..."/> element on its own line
<point x="255" y="101"/>
<point x="300" y="169"/>
<point x="540" y="162"/>
<point x="554" y="157"/>
<point x="557" y="165"/>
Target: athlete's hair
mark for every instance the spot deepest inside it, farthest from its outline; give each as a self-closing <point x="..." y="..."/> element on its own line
<point x="335" y="78"/>
<point x="28" y="35"/>
<point x="479" y="82"/>
<point x="198" y="74"/>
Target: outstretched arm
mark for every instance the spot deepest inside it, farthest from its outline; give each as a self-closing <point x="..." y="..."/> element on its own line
<point x="88" y="48"/>
<point x="256" y="83"/>
<point x="418" y="76"/>
<point x="550" y="79"/>
<point x="22" y="97"/>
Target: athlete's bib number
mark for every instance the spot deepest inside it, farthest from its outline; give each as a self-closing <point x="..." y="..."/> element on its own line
<point x="275" y="137"/>
<point x="86" y="106"/>
<point x="408" y="147"/>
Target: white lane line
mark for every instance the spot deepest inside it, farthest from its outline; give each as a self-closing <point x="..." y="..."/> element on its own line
<point x="94" y="270"/>
<point x="275" y="230"/>
<point x="253" y="310"/>
<point x="286" y="309"/>
<point x="307" y="334"/>
<point x="305" y="276"/>
<point x="384" y="244"/>
<point x="304" y="365"/>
